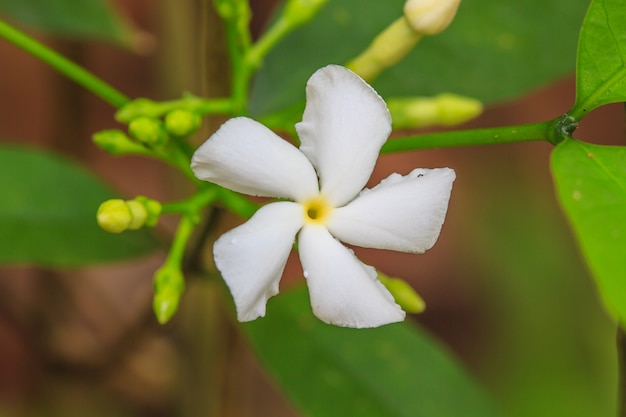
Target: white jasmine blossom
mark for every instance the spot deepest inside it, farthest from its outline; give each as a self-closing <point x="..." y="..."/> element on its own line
<point x="344" y="125"/>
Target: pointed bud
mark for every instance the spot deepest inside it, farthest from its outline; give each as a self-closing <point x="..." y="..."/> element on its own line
<point x="169" y="285"/>
<point x="443" y="109"/>
<point x="455" y="109"/>
<point x="138" y="108"/>
<point x="182" y="123"/>
<point x="299" y="12"/>
<point x="116" y="142"/>
<point x="430" y="17"/>
<point x="403" y="293"/>
<point x="148" y="130"/>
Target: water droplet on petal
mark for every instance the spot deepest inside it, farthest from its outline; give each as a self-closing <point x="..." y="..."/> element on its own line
<point x="306" y="274"/>
<point x="233" y="241"/>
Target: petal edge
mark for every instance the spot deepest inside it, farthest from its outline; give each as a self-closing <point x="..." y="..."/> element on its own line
<point x="403" y="213"/>
<point x="345" y="123"/>
<point x="252" y="256"/>
<point x="245" y="156"/>
<point x="343" y="290"/>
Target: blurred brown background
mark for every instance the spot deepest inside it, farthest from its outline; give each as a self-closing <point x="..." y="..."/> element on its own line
<point x="505" y="286"/>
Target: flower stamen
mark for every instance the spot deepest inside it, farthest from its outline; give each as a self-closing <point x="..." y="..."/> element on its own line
<point x="316" y="210"/>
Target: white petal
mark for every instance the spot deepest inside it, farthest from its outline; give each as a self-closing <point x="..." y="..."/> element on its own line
<point x="247" y="157"/>
<point x="344" y="291"/>
<point x="403" y="213"/>
<point x="344" y="125"/>
<point x="252" y="257"/>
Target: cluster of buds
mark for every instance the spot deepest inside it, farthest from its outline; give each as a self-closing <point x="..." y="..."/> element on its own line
<point x="117" y="215"/>
<point x="151" y="125"/>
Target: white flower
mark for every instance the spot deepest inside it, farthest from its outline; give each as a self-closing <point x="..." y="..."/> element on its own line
<point x="345" y="123"/>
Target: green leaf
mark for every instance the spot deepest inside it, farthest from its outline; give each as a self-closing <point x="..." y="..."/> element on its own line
<point x="328" y="371"/>
<point x="601" y="67"/>
<point x="92" y="19"/>
<point x="492" y="51"/>
<point x="591" y="186"/>
<point x="48" y="213"/>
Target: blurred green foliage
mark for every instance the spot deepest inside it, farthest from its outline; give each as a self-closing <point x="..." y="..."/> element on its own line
<point x="47" y="213"/>
<point x="77" y="19"/>
<point x="394" y="370"/>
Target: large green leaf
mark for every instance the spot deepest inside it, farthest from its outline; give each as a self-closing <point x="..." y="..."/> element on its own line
<point x="591" y="186"/>
<point x="48" y="213"/>
<point x="73" y="18"/>
<point x="601" y="67"/>
<point x="394" y="370"/>
<point x="492" y="51"/>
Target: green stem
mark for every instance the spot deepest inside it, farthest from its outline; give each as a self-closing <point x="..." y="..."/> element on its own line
<point x="193" y="204"/>
<point x="183" y="233"/>
<point x="63" y="65"/>
<point x="267" y="41"/>
<point x="489" y="136"/>
<point x="238" y="44"/>
<point x="179" y="157"/>
<point x="237" y="203"/>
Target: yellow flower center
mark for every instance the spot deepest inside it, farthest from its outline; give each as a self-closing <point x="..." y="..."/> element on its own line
<point x="316" y="210"/>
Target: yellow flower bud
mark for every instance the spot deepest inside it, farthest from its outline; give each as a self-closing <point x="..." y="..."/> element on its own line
<point x="455" y="109"/>
<point x="182" y="122"/>
<point x="444" y="109"/>
<point x="430" y="17"/>
<point x="138" y="214"/>
<point x="114" y="216"/>
<point x="148" y="130"/>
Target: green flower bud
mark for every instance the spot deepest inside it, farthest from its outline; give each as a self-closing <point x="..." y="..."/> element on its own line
<point x="153" y="210"/>
<point x="138" y="214"/>
<point x="182" y="122"/>
<point x="403" y="293"/>
<point x="138" y="108"/>
<point x="387" y="48"/>
<point x="114" y="216"/>
<point x="455" y="109"/>
<point x="148" y="130"/>
<point x="116" y="142"/>
<point x="444" y="109"/>
<point x="299" y="12"/>
<point x="169" y="285"/>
